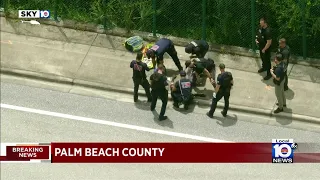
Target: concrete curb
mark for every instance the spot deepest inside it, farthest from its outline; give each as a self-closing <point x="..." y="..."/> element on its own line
<point x="223" y="49"/>
<point x="119" y="89"/>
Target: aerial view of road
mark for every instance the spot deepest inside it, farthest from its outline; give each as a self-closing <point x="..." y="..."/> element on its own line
<point x="65" y="85"/>
<point x="23" y="126"/>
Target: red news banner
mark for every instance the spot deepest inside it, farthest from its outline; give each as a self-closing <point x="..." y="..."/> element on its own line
<point x="149" y="153"/>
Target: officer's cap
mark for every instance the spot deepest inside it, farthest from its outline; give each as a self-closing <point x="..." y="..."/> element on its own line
<point x="183" y="73"/>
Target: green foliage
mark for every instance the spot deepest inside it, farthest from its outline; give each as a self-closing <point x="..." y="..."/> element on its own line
<point x="227" y="21"/>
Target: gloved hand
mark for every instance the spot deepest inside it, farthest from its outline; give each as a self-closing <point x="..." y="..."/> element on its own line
<point x="214" y="95"/>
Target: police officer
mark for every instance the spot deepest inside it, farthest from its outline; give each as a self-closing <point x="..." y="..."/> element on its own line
<point x="223" y="88"/>
<point x="284" y="49"/>
<point x="181" y="91"/>
<point x="278" y="74"/>
<point x="139" y="77"/>
<point x="159" y="86"/>
<point x="264" y="40"/>
<point x="197" y="47"/>
<point x="201" y="66"/>
<point x="157" y="51"/>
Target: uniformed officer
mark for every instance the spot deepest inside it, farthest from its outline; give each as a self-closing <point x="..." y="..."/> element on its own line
<point x="139" y="77"/>
<point x="181" y="91"/>
<point x="159" y="86"/>
<point x="264" y="40"/>
<point x="223" y="88"/>
<point x="201" y="66"/>
<point x="157" y="51"/>
<point x="197" y="47"/>
<point x="278" y="74"/>
<point x="284" y="49"/>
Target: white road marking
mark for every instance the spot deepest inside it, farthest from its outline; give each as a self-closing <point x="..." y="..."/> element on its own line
<point x="110" y="123"/>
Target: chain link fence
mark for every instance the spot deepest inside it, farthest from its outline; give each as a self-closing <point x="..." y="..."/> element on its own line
<point x="227" y="22"/>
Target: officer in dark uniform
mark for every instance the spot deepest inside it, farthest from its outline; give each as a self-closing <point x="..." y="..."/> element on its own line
<point x="264" y="40"/>
<point x="223" y="88"/>
<point x="198" y="47"/>
<point x="201" y="66"/>
<point x="181" y="91"/>
<point x="157" y="51"/>
<point x="159" y="86"/>
<point x="278" y="74"/>
<point x="139" y="77"/>
<point x="284" y="49"/>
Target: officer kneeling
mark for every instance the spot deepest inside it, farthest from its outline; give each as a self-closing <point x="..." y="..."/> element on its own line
<point x="181" y="91"/>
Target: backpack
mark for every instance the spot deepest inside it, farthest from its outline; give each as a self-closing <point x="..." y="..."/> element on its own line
<point x="134" y="44"/>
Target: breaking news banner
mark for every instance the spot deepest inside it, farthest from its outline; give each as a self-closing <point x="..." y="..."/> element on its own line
<point x="26" y="152"/>
<point x="34" y="14"/>
<point x="277" y="151"/>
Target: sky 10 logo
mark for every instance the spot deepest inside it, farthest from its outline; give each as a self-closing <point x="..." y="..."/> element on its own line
<point x="282" y="150"/>
<point x="34" y="14"/>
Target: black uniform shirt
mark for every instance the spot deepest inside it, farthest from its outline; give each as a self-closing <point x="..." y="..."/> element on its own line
<point x="139" y="69"/>
<point x="263" y="36"/>
<point x="225" y="84"/>
<point x="199" y="47"/>
<point x="279" y="72"/>
<point x="158" y="81"/>
<point x="161" y="47"/>
<point x="285" y="53"/>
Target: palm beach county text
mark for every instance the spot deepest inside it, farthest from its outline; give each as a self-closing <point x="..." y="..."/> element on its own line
<point x="109" y="152"/>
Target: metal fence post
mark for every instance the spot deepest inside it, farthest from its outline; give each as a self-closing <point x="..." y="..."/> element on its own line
<point x="5" y="6"/>
<point x="154" y="22"/>
<point x="204" y="19"/>
<point x="304" y="29"/>
<point x="104" y="5"/>
<point x="55" y="13"/>
<point x="253" y="27"/>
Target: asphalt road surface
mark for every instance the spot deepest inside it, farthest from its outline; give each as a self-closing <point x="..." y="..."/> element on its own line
<point x="19" y="126"/>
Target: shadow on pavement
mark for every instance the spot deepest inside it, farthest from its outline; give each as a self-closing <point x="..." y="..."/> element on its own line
<point x="289" y="94"/>
<point x="267" y="82"/>
<point x="165" y="123"/>
<point x="285" y="121"/>
<point x="142" y="105"/>
<point x="206" y="92"/>
<point x="183" y="111"/>
<point x="227" y="121"/>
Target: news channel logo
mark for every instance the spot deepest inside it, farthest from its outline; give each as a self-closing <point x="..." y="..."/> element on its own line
<point x="34" y="14"/>
<point x="283" y="150"/>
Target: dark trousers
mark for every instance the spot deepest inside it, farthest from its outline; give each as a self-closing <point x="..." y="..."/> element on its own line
<point x="177" y="98"/>
<point x="173" y="54"/>
<point x="266" y="61"/>
<point x="163" y="95"/>
<point x="219" y="95"/>
<point x="286" y="80"/>
<point x="146" y="86"/>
